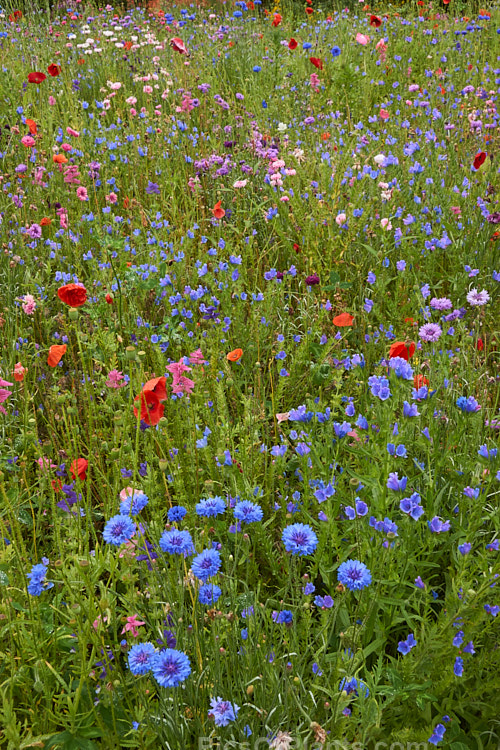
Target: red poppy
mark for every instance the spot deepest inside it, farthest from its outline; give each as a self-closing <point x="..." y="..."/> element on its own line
<point x="293" y="43"/>
<point x="296" y="247"/>
<point x="79" y="468"/>
<point x="400" y="349"/>
<point x="250" y="5"/>
<point x="31" y="126"/>
<point x="317" y="62"/>
<point x="276" y="20"/>
<point x="479" y="346"/>
<point x="126" y="202"/>
<point x="480" y="159"/>
<point x="309" y="11"/>
<point x="235" y="355"/>
<point x="446" y="2"/>
<point x="375" y="21"/>
<point x="419" y="381"/>
<point x="218" y="211"/>
<point x="127" y="45"/>
<point x="158" y="386"/>
<point x="151" y="409"/>
<point x="109" y="299"/>
<point x="343" y="320"/>
<point x="53" y="70"/>
<point x="46" y="222"/>
<point x="36" y="77"/>
<point x="56" y="353"/>
<point x="73" y="295"/>
<point x="16" y="16"/>
<point x="178" y="45"/>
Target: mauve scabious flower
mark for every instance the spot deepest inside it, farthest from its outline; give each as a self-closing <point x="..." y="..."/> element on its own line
<point x="430" y="332"/>
<point x="354" y="575"/>
<point x="476" y="298"/>
<point x="299" y="539"/>
<point x="441" y="303"/>
<point x="171" y="667"/>
<point x="140" y="658"/>
<point x="222" y="712"/>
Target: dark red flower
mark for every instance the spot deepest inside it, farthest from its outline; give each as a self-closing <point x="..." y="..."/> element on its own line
<point x="79" y="468"/>
<point x="400" y="349"/>
<point x="480" y="159"/>
<point x="292" y="44"/>
<point x="36" y="77"/>
<point x="151" y="409"/>
<point x="73" y="295"/>
<point x="375" y="21"/>
<point x="16" y="16"/>
<point x="53" y="70"/>
<point x="317" y="62"/>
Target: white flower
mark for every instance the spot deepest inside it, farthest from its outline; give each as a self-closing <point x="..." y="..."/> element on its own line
<point x="282" y="127"/>
<point x="379" y="159"/>
<point x="478" y="298"/>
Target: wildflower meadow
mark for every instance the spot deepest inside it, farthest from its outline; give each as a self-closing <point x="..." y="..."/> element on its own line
<point x="249" y="376"/>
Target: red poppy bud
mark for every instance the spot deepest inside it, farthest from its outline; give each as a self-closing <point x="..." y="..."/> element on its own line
<point x="109" y="299"/>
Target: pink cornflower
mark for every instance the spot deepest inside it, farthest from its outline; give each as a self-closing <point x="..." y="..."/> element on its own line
<point x="82" y="194"/>
<point x="314" y="81"/>
<point x="362" y="39"/>
<point x="29" y="304"/>
<point x="52" y="101"/>
<point x="132" y="625"/>
<point x="114" y="378"/>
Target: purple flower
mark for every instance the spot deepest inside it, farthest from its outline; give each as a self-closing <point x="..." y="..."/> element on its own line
<point x="324" y="602"/>
<point x="458" y="668"/>
<point x="465" y="548"/>
<point x="437" y="734"/>
<point x="437" y="526"/>
<point x="404" y="647"/>
<point x="419" y="583"/>
<point x="476" y="298"/>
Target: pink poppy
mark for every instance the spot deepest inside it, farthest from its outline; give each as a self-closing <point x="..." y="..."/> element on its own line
<point x="362" y="39"/>
<point x="178" y="45"/>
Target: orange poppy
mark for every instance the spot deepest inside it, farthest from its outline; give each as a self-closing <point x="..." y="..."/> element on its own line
<point x="400" y="349"/>
<point x="158" y="386"/>
<point x="59" y="159"/>
<point x="343" y="320"/>
<point x="16" y="16"/>
<point x="19" y="372"/>
<point x="218" y="211"/>
<point x="46" y="222"/>
<point x="79" y="468"/>
<point x="56" y="353"/>
<point x="31" y="126"/>
<point x="276" y="20"/>
<point x="235" y="355"/>
<point x="151" y="409"/>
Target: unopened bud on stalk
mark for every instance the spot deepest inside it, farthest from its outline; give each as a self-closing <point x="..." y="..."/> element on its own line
<point x="73" y="313"/>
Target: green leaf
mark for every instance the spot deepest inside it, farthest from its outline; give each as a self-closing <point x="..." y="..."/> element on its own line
<point x="4" y="578"/>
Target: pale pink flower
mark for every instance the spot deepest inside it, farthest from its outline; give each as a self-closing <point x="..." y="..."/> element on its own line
<point x="131" y="100"/>
<point x="147" y="89"/>
<point x="116" y="87"/>
<point x="362" y="39"/>
<point x="239" y="184"/>
<point x="29" y="304"/>
<point x="341" y="219"/>
<point x="283" y="416"/>
<point x="52" y="101"/>
<point x="197" y="358"/>
<point x="45" y="464"/>
<point x="386" y="224"/>
<point x="177" y="368"/>
<point x="132" y="626"/>
<point x="98" y="621"/>
<point x="82" y="194"/>
<point x="72" y="132"/>
<point x="384" y="114"/>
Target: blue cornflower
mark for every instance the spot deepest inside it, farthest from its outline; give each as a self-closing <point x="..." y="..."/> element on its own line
<point x="206" y="564"/>
<point x="309" y="588"/>
<point x="140" y="658"/>
<point x="212" y="506"/>
<point x="285" y="617"/>
<point x="437" y="734"/>
<point x="176" y="513"/>
<point x="335" y="51"/>
<point x="118" y="530"/>
<point x="354" y="575"/>
<point x="299" y="539"/>
<point x="248" y="512"/>
<point x="177" y="542"/>
<point x="37" y="582"/>
<point x="222" y="711"/>
<point x="171" y="667"/>
<point x="209" y="594"/>
<point x="404" y="647"/>
<point x="133" y="504"/>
